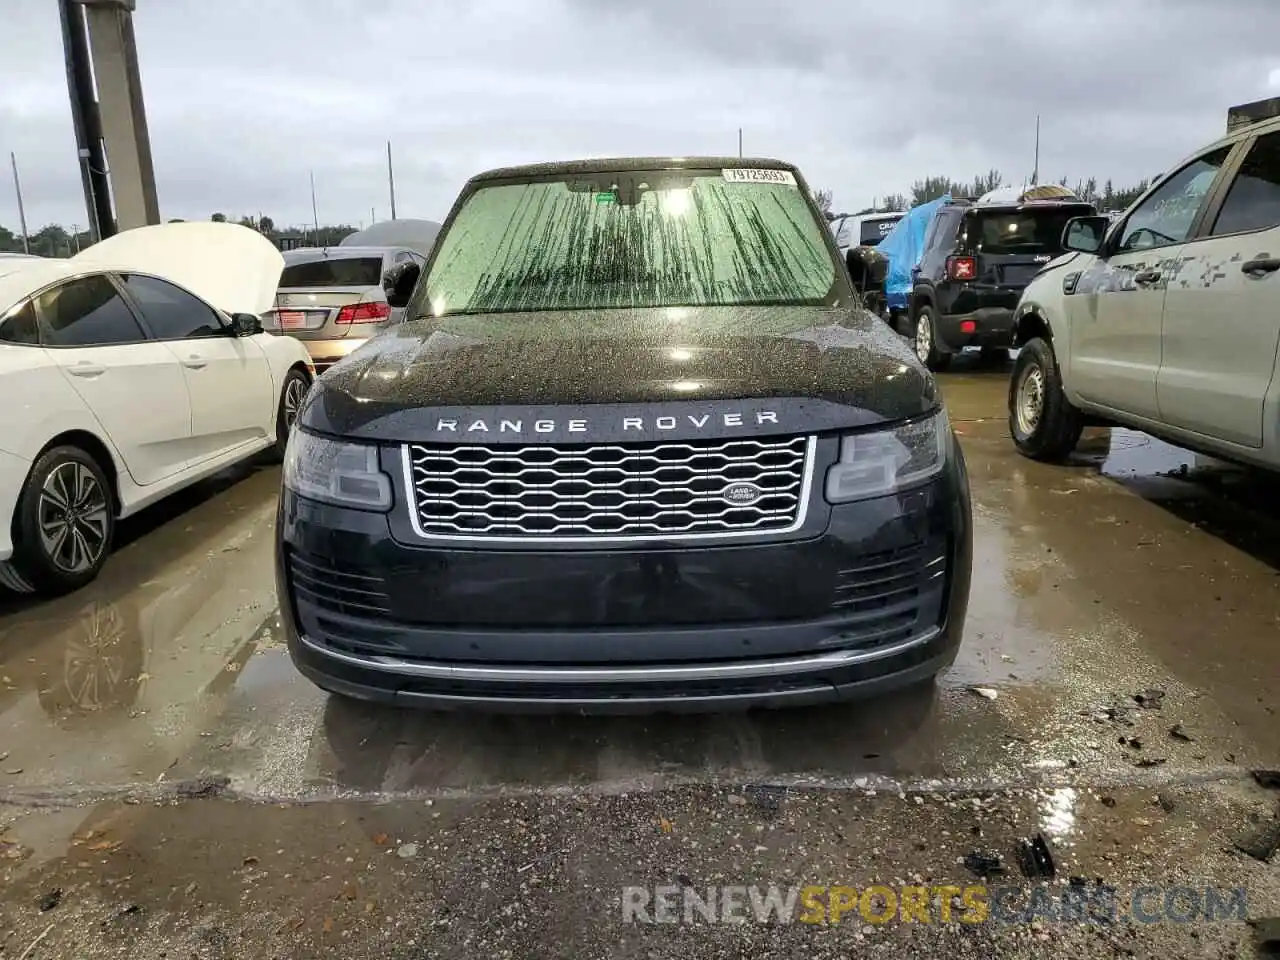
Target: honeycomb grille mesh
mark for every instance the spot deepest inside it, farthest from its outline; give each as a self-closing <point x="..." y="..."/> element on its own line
<point x="611" y="491"/>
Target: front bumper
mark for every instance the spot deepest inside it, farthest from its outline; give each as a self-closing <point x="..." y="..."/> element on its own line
<point x="876" y="600"/>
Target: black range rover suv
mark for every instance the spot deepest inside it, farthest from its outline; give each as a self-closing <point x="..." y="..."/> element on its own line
<point x="636" y="447"/>
<point x="977" y="260"/>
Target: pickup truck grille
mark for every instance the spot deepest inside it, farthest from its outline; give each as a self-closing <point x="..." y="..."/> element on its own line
<point x="620" y="491"/>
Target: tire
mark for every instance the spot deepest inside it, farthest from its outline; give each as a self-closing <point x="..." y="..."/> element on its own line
<point x="63" y="524"/>
<point x="1047" y="429"/>
<point x="292" y="393"/>
<point x="924" y="339"/>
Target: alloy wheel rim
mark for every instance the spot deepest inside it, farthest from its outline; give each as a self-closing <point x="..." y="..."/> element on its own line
<point x="72" y="517"/>
<point x="1030" y="402"/>
<point x="294" y="393"/>
<point x="924" y="337"/>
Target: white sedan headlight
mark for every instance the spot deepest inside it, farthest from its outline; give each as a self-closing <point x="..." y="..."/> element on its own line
<point x="333" y="471"/>
<point x="883" y="461"/>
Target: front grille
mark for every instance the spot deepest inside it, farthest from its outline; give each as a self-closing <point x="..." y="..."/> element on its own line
<point x="622" y="491"/>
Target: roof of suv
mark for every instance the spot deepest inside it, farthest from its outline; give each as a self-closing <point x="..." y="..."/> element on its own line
<point x="624" y="164"/>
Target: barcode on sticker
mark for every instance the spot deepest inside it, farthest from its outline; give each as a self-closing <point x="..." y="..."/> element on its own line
<point x="756" y="175"/>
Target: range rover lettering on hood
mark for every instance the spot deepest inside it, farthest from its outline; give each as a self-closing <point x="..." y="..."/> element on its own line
<point x="581" y="425"/>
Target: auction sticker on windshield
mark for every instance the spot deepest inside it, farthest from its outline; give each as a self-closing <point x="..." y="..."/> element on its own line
<point x="755" y="175"/>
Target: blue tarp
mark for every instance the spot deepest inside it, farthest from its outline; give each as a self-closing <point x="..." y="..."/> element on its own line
<point x="903" y="247"/>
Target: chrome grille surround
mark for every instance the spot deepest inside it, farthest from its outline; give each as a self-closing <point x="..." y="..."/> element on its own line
<point x="609" y="492"/>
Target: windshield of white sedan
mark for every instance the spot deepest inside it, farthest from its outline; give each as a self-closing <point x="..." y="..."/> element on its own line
<point x="632" y="240"/>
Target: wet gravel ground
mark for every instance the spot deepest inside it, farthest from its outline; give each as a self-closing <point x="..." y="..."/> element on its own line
<point x="170" y="788"/>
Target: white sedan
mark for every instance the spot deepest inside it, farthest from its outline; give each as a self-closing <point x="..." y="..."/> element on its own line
<point x="128" y="372"/>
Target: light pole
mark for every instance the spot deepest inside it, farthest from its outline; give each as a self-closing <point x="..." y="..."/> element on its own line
<point x="22" y="212"/>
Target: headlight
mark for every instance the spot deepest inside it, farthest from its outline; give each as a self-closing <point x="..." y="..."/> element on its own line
<point x="335" y="472"/>
<point x="878" y="463"/>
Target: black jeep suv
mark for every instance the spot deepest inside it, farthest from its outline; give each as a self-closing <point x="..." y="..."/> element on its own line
<point x="977" y="260"/>
<point x="637" y="446"/>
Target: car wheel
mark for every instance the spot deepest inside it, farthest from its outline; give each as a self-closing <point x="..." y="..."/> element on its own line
<point x="294" y="391"/>
<point x="928" y="351"/>
<point x="1042" y="421"/>
<point x="63" y="524"/>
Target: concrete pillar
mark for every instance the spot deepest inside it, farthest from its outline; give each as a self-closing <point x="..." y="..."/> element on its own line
<point x="124" y="120"/>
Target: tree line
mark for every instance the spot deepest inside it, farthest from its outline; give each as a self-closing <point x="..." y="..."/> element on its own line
<point x="1106" y="196"/>
<point x="55" y="240"/>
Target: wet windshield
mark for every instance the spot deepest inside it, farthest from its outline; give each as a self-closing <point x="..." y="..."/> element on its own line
<point x="635" y="240"/>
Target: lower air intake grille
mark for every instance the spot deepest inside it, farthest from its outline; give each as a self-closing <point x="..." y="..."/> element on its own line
<point x="622" y="491"/>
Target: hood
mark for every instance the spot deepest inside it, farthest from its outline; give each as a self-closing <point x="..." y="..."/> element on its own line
<point x="234" y="268"/>
<point x="837" y="367"/>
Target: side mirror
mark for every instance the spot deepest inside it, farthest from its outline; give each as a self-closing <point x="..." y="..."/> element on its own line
<point x="399" y="281"/>
<point x="1085" y="234"/>
<point x="245" y="324"/>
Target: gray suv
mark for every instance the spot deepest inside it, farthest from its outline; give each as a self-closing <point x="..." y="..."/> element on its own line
<point x="332" y="299"/>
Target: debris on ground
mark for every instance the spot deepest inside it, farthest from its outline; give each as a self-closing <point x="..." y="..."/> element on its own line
<point x="1178" y="733"/>
<point x="1117" y="711"/>
<point x="1035" y="857"/>
<point x="1165" y="802"/>
<point x="1267" y="932"/>
<point x="36" y="942"/>
<point x="984" y="865"/>
<point x="1261" y="844"/>
<point x="1132" y="742"/>
<point x="1145" y="762"/>
<point x="12" y="850"/>
<point x="765" y="798"/>
<point x="1267" y="778"/>
<point x="985" y="692"/>
<point x="50" y="899"/>
<point x="1150" y="699"/>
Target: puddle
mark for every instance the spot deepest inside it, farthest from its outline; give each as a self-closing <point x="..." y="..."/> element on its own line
<point x="1236" y="504"/>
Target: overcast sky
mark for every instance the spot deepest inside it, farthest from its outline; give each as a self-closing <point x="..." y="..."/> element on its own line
<point x="244" y="97"/>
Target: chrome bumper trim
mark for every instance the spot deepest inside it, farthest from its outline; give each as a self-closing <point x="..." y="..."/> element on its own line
<point x="832" y="660"/>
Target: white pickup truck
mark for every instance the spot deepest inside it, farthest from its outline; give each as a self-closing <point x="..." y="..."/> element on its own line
<point x="1166" y="320"/>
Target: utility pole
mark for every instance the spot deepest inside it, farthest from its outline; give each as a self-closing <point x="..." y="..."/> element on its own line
<point x="22" y="212"/>
<point x="739" y="143"/>
<point x="315" y="216"/>
<point x="391" y="181"/>
<point x="86" y="119"/>
<point x="1035" y="170"/>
